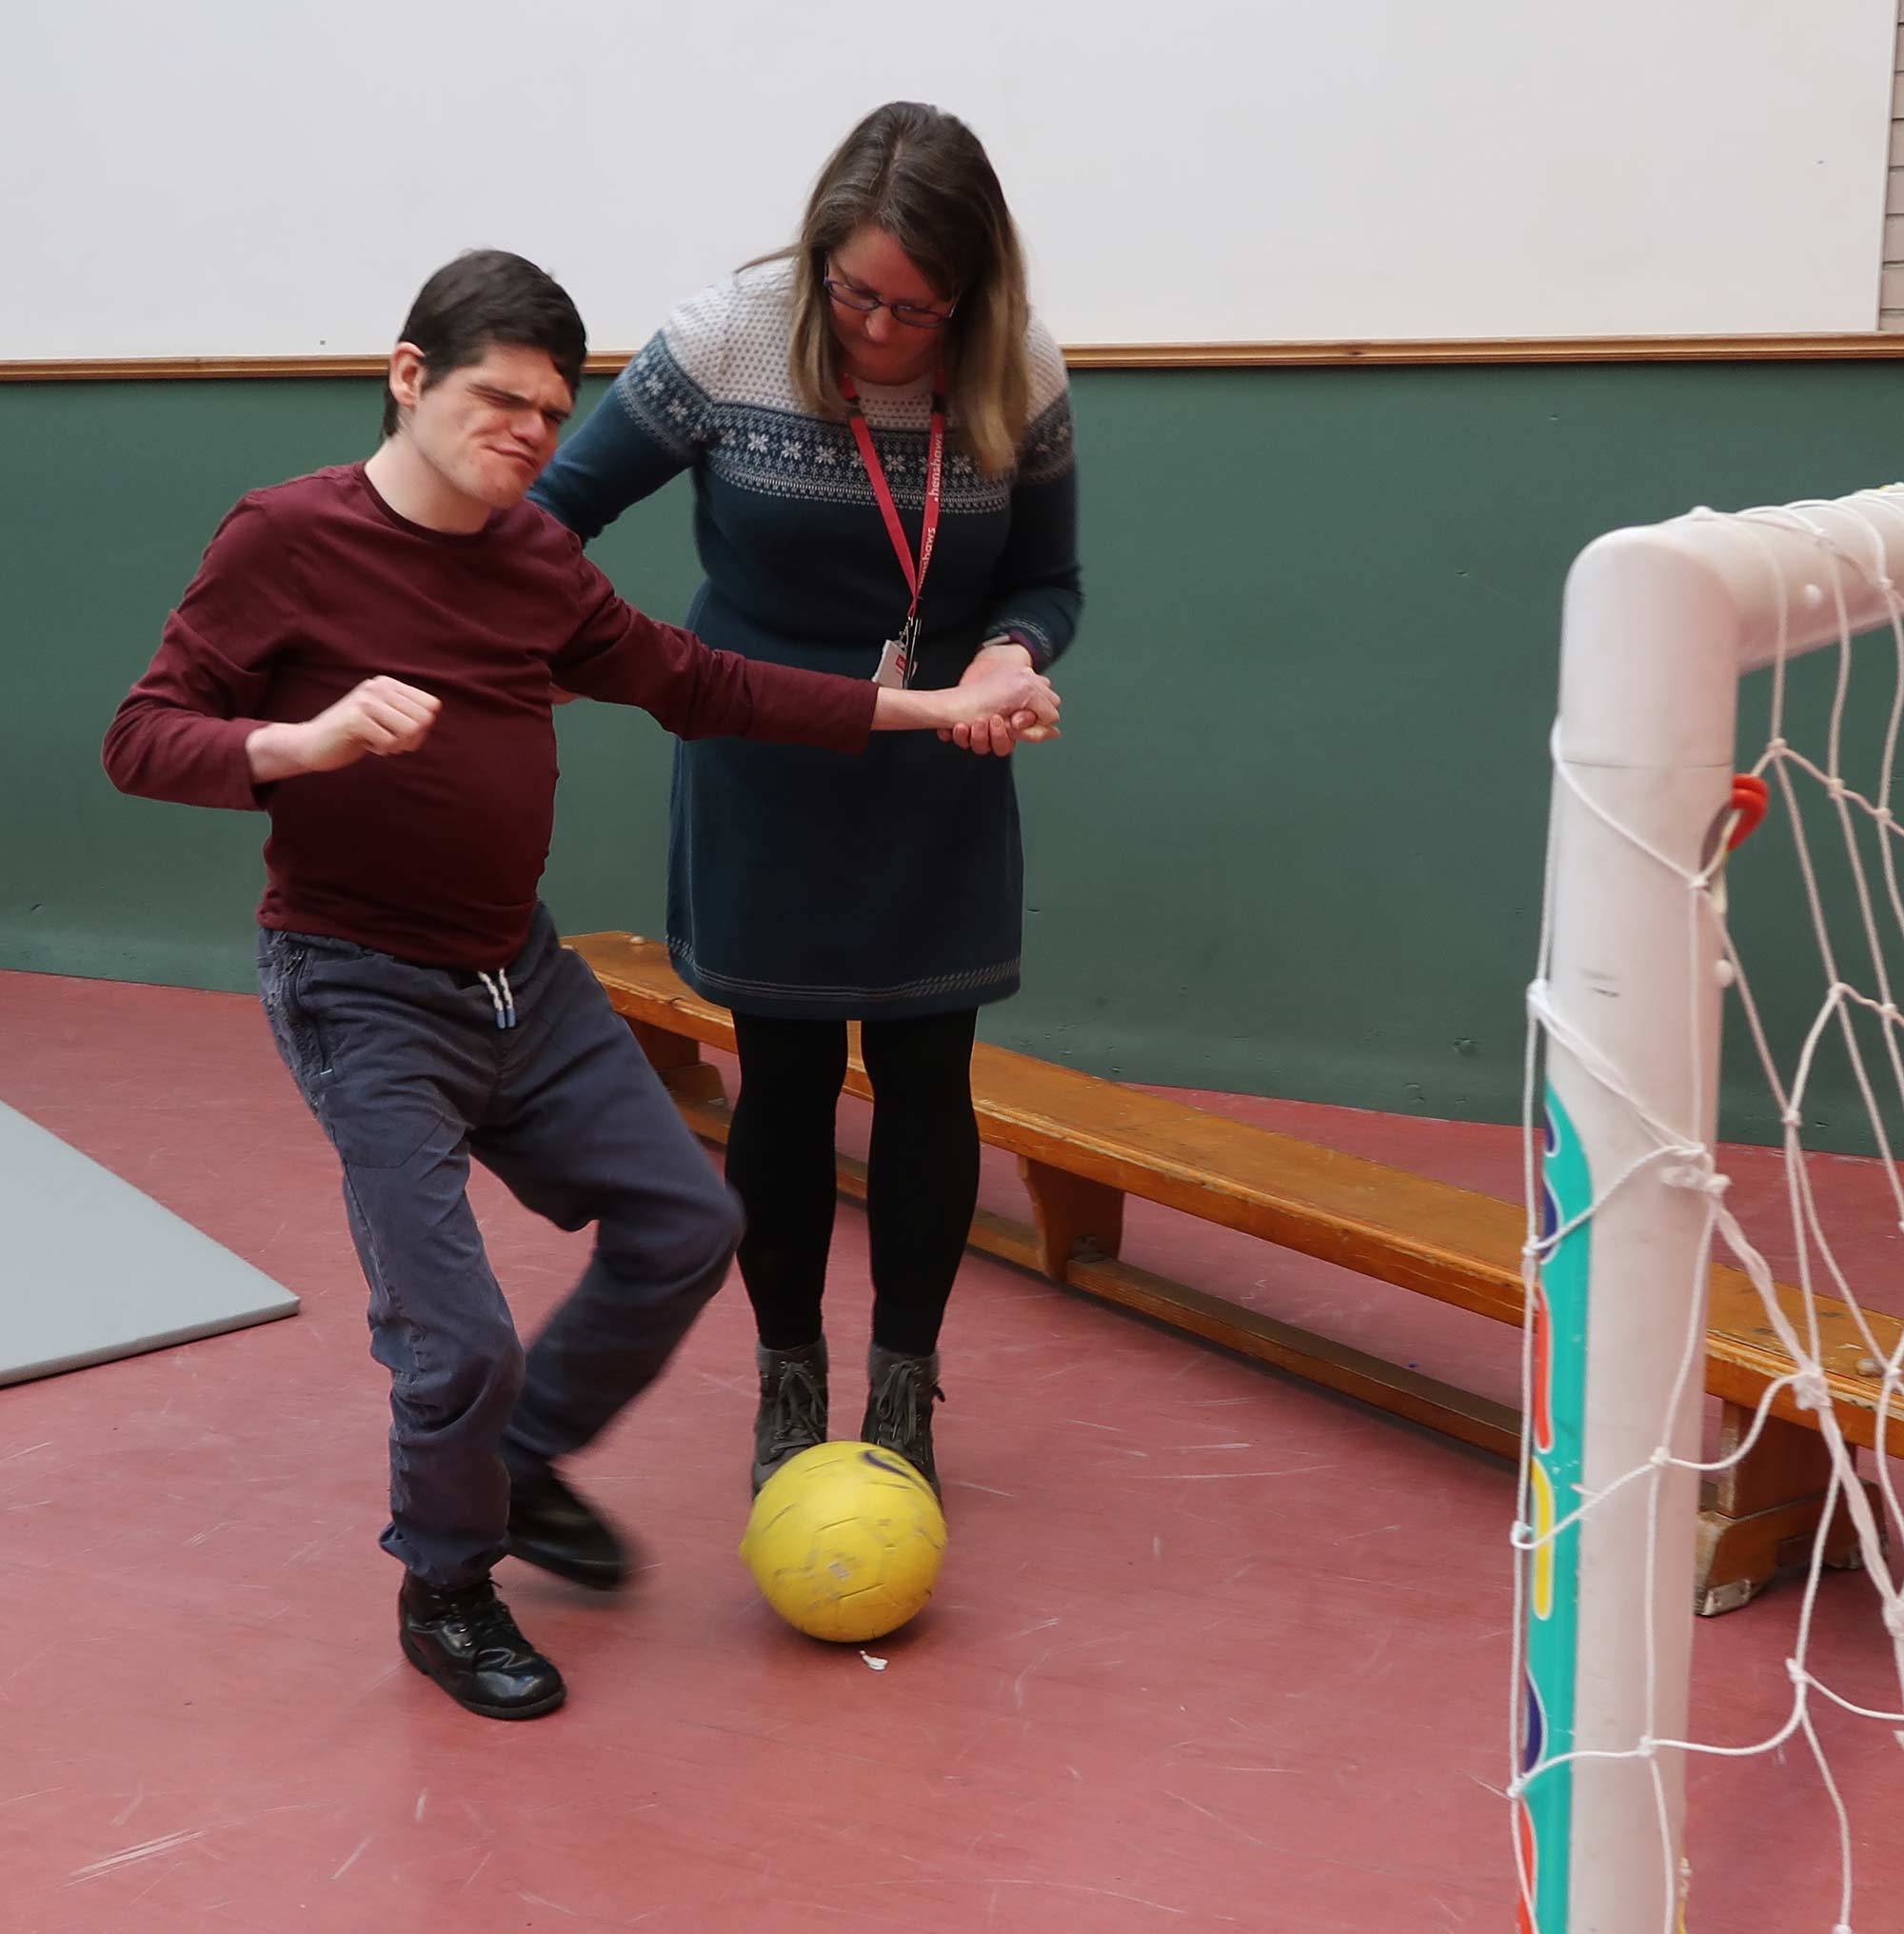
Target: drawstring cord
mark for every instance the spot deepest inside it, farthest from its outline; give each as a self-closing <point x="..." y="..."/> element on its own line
<point x="500" y="998"/>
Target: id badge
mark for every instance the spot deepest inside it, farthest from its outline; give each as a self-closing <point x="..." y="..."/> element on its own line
<point x="895" y="666"/>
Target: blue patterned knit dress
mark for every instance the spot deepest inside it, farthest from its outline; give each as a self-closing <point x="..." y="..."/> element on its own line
<point x="810" y="883"/>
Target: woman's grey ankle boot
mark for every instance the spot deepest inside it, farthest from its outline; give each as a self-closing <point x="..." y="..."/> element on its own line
<point x="899" y="1407"/>
<point x="792" y="1416"/>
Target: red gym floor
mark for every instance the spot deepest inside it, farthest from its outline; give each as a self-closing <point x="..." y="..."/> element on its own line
<point x="1212" y="1649"/>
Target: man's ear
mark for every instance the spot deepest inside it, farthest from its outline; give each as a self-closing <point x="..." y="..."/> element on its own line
<point x="407" y="371"/>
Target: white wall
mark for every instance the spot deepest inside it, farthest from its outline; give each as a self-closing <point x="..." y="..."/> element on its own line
<point x="1890" y="313"/>
<point x="277" y="176"/>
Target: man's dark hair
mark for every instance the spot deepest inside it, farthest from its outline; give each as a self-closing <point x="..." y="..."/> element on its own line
<point x="485" y="297"/>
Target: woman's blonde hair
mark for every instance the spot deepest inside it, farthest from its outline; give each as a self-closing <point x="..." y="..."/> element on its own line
<point x="922" y="177"/>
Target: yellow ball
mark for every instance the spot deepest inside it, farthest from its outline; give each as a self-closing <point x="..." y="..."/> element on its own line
<point x="845" y="1542"/>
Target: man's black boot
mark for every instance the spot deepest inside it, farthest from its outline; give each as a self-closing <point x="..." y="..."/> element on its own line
<point x="466" y="1640"/>
<point x="552" y="1526"/>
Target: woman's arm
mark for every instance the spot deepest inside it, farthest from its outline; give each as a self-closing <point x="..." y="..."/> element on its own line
<point x="1038" y="595"/>
<point x="648" y="429"/>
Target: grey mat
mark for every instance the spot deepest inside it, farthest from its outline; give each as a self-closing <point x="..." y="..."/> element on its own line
<point x="90" y="1270"/>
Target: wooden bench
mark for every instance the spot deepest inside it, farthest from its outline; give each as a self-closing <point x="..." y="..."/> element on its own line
<point x="1083" y="1144"/>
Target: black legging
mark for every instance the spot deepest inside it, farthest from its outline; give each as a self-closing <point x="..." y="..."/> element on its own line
<point x="922" y="1180"/>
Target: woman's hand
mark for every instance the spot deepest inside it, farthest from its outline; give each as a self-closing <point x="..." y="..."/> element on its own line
<point x="999" y="702"/>
<point x="999" y="730"/>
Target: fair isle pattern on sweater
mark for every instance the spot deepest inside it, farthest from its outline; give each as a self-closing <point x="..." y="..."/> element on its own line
<point x="713" y="383"/>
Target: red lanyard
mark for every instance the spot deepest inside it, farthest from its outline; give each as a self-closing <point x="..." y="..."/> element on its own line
<point x="935" y="470"/>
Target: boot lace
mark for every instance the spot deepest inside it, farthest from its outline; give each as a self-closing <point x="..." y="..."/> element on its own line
<point x="494" y="1636"/>
<point x="902" y="1414"/>
<point x="798" y="1418"/>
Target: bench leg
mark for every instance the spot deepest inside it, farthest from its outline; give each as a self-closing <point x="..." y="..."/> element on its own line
<point x="1075" y="1217"/>
<point x="677" y="1059"/>
<point x="1762" y="1515"/>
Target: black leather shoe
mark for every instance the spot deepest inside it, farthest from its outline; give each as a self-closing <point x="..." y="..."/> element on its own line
<point x="467" y="1643"/>
<point x="551" y="1527"/>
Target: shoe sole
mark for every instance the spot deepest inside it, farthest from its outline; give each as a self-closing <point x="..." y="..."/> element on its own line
<point x="536" y="1712"/>
<point x="596" y="1579"/>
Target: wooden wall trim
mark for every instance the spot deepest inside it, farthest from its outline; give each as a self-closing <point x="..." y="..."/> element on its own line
<point x="1862" y="347"/>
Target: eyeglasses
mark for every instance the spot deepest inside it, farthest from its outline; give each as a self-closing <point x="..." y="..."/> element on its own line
<point x="910" y="313"/>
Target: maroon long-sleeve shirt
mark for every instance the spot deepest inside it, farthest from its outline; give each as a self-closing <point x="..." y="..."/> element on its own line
<point x="433" y="855"/>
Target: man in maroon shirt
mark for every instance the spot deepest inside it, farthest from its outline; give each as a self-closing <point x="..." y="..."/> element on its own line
<point x="367" y="654"/>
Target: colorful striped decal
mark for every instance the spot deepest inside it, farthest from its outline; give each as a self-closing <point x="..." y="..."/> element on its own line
<point x="1544" y="1815"/>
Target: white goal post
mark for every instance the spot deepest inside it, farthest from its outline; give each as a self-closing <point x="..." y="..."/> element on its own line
<point x="1626" y="1203"/>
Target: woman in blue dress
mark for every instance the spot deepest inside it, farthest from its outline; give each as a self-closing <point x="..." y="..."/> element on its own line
<point x="877" y="392"/>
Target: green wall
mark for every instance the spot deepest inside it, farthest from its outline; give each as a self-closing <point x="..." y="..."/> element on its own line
<point x="1290" y="842"/>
